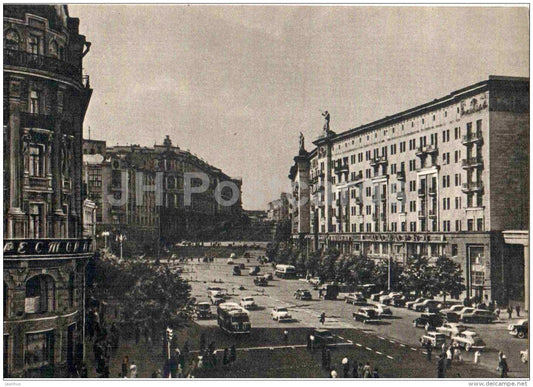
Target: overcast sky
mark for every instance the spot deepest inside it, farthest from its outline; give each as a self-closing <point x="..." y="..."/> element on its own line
<point x="236" y="84"/>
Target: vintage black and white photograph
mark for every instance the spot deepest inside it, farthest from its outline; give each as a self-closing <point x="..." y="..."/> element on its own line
<point x="266" y="191"/>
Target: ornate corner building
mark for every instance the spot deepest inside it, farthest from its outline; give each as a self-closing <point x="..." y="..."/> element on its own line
<point x="45" y="251"/>
<point x="449" y="177"/>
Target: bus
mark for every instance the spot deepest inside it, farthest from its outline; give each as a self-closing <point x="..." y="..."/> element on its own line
<point x="285" y="271"/>
<point x="232" y="318"/>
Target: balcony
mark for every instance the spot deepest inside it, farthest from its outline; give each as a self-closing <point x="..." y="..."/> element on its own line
<point x="41" y="121"/>
<point x="400" y="195"/>
<point x="358" y="201"/>
<point x="421" y="214"/>
<point x="358" y="178"/>
<point x="40" y="182"/>
<point x="375" y="161"/>
<point x="472" y="162"/>
<point x="41" y="62"/>
<point x="472" y="138"/>
<point x="383" y="197"/>
<point x="432" y="213"/>
<point x="343" y="168"/>
<point x="400" y="175"/>
<point x="422" y="192"/>
<point x="375" y="217"/>
<point x="475" y="186"/>
<point x="432" y="191"/>
<point x="426" y="150"/>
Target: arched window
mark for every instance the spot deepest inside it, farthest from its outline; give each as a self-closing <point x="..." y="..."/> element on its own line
<point x="53" y="49"/>
<point x="71" y="290"/>
<point x="40" y="294"/>
<point x="12" y="40"/>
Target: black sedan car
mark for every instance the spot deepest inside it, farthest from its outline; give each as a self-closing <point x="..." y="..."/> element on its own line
<point x="430" y="321"/>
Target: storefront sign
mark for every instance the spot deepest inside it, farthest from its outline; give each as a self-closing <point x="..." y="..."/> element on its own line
<point x="14" y="247"/>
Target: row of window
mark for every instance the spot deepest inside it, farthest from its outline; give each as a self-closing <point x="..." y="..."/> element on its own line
<point x="35" y="45"/>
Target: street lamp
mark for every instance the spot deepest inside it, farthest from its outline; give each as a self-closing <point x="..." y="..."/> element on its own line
<point x="121" y="238"/>
<point x="105" y="234"/>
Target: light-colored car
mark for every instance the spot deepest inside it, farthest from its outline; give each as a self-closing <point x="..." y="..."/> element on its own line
<point x="478" y="316"/>
<point x="356" y="298"/>
<point x="314" y="281"/>
<point x="435" y="339"/>
<point x="409" y="304"/>
<point x="382" y="310"/>
<point x="248" y="303"/>
<point x="230" y="261"/>
<point x="429" y="306"/>
<point x="281" y="314"/>
<point x="451" y="329"/>
<point x="217" y="298"/>
<point x="469" y="340"/>
<point x="387" y="298"/>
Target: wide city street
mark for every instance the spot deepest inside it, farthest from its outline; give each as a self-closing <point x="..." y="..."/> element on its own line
<point x="391" y="342"/>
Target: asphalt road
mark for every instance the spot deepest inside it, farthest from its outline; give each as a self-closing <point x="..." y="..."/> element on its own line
<point x="394" y="338"/>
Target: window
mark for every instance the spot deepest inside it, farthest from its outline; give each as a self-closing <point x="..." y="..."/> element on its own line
<point x="12" y="40"/>
<point x="40" y="294"/>
<point x="458" y="203"/>
<point x="412" y="186"/>
<point x="457" y="156"/>
<point x="455" y="250"/>
<point x="403" y="227"/>
<point x="470" y="225"/>
<point x="38" y="352"/>
<point x="368" y="191"/>
<point x="71" y="290"/>
<point x="53" y="49"/>
<point x="36" y="161"/>
<point x="457" y="225"/>
<point x="478" y="126"/>
<point x="479" y="224"/>
<point x="412" y="165"/>
<point x="35" y="226"/>
<point x="457" y="133"/>
<point x="412" y="226"/>
<point x="402" y="147"/>
<point x="171" y="182"/>
<point x="34" y="43"/>
<point x="393" y="188"/>
<point x="393" y="208"/>
<point x="393" y="169"/>
<point x="457" y="179"/>
<point x="34" y="102"/>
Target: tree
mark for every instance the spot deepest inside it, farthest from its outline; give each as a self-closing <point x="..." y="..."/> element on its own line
<point x="360" y="270"/>
<point x="417" y="276"/>
<point x="381" y="274"/>
<point x="448" y="278"/>
<point x="327" y="265"/>
<point x="313" y="263"/>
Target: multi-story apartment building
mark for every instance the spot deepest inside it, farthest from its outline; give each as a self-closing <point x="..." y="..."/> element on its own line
<point x="278" y="209"/>
<point x="444" y="178"/>
<point x="142" y="192"/>
<point x="45" y="252"/>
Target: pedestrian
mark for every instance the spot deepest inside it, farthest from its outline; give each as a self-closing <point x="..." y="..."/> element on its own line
<point x="497" y="311"/>
<point x="360" y="369"/>
<point x="457" y="354"/>
<point x="367" y="372"/>
<point x="125" y="366"/>
<point x="285" y="336"/>
<point x="312" y="339"/>
<point x="510" y="311"/>
<point x="355" y="372"/>
<point x="323" y="318"/>
<point x="180" y="371"/>
<point x="441" y="367"/>
<point x="200" y="364"/>
<point x="503" y="367"/>
<point x="225" y="359"/>
<point x="375" y="374"/>
<point x="449" y="357"/>
<point x="133" y="370"/>
<point x="333" y="374"/>
<point x="214" y="358"/>
<point x="517" y="308"/>
<point x="233" y="354"/>
<point x="444" y="348"/>
<point x="345" y="367"/>
<point x="429" y="348"/>
<point x="477" y="357"/>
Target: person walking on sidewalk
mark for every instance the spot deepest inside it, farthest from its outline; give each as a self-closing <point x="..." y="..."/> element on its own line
<point x="125" y="366"/>
<point x="517" y="308"/>
<point x="510" y="311"/>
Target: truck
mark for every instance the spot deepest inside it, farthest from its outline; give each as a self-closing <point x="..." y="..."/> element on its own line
<point x="329" y="292"/>
<point x="233" y="319"/>
<point x="285" y="271"/>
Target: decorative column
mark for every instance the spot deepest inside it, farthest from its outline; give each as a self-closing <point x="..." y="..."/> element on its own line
<point x="57" y="183"/>
<point x="15" y="216"/>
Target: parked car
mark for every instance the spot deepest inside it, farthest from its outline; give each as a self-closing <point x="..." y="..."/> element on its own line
<point x="519" y="329"/>
<point x="435" y="339"/>
<point x="366" y="315"/>
<point x="280" y="314"/>
<point x="323" y="338"/>
<point x="230" y="261"/>
<point x="468" y="340"/>
<point x="366" y="289"/>
<point x="382" y="310"/>
<point x="260" y="281"/>
<point x="203" y="310"/>
<point x="254" y="270"/>
<point x="314" y="281"/>
<point x="401" y="300"/>
<point x="236" y="270"/>
<point x="429" y="306"/>
<point x="478" y="316"/>
<point x="452" y="314"/>
<point x="430" y="321"/>
<point x="217" y="298"/>
<point x="355" y="298"/>
<point x="248" y="303"/>
<point x="451" y="329"/>
<point x="376" y="296"/>
<point x="302" y="294"/>
<point x="269" y="276"/>
<point x="410" y="304"/>
<point x="386" y="299"/>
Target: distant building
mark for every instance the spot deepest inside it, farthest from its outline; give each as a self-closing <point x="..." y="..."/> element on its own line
<point x="122" y="182"/>
<point x="45" y="248"/>
<point x="449" y="177"/>
<point x="278" y="209"/>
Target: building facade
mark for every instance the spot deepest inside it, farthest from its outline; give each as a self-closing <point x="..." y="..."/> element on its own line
<point x="45" y="251"/>
<point x="142" y="192"/>
<point x="444" y="178"/>
<point x="278" y="209"/>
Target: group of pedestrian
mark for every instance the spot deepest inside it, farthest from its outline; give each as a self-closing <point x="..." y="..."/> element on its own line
<point x="128" y="370"/>
<point x="358" y="370"/>
<point x="510" y="311"/>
